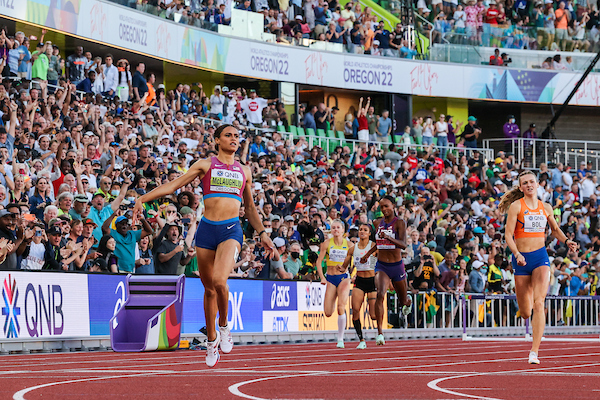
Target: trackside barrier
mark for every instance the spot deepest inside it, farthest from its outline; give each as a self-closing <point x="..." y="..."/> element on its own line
<point x="564" y="314"/>
<point x="54" y="311"/>
<point x="151" y="317"/>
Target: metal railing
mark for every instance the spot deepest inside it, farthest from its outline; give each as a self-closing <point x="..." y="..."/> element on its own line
<point x="479" y="314"/>
<point x="532" y="152"/>
<point x="329" y="145"/>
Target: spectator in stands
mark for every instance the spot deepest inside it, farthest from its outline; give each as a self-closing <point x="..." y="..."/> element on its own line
<point x="138" y="82"/>
<point x="384" y="36"/>
<point x="406" y="51"/>
<point x="75" y="66"/>
<point x="511" y="132"/>
<point x="384" y="127"/>
<point x="87" y="85"/>
<point x="563" y="18"/>
<point x="309" y="118"/>
<point x="10" y="237"/>
<point x="170" y="253"/>
<point x="471" y="133"/>
<point x="356" y="38"/>
<point x="41" y="63"/>
<point x="336" y="32"/>
<point x="124" y="87"/>
<point x="253" y="107"/>
<point x="496" y="59"/>
<point x="321" y="116"/>
<point x="320" y="18"/>
<point x="109" y="75"/>
<point x="245" y="6"/>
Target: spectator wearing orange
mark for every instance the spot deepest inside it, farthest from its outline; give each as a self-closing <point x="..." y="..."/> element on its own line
<point x="151" y="98"/>
<point x="369" y="36"/>
<point x="561" y="23"/>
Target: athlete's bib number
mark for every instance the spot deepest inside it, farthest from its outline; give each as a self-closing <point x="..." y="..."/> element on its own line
<point x="535" y="223"/>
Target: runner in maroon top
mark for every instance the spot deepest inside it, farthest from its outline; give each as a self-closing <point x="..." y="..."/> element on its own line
<point x="390" y="238"/>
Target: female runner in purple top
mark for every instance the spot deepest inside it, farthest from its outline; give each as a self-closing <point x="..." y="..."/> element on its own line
<point x="225" y="183"/>
<point x="390" y="238"/>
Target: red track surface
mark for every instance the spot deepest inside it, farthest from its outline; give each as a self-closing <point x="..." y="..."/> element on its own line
<point x="415" y="369"/>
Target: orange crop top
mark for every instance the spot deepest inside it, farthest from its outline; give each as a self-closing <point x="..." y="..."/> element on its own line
<point x="531" y="223"/>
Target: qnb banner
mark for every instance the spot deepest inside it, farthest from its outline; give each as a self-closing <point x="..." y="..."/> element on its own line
<point x="43" y="305"/>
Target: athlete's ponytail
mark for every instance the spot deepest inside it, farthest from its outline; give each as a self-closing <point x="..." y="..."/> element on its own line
<point x="513" y="195"/>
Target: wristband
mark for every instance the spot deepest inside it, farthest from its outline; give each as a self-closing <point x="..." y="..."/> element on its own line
<point x="261" y="232"/>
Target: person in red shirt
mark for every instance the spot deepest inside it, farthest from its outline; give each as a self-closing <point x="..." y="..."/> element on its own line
<point x="363" y="124"/>
<point x="496" y="59"/>
<point x="412" y="159"/>
<point x="491" y="14"/>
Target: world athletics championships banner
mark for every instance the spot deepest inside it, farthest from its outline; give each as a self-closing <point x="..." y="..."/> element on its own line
<point x="127" y="28"/>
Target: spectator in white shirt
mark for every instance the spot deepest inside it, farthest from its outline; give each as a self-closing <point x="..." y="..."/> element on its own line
<point x="110" y="76"/>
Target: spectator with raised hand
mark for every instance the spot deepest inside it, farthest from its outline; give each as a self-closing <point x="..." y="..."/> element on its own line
<point x="126" y="238"/>
<point x="170" y="251"/>
<point x="253" y="107"/>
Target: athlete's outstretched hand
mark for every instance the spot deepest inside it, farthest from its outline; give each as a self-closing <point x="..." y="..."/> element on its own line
<point x="138" y="210"/>
<point x="267" y="244"/>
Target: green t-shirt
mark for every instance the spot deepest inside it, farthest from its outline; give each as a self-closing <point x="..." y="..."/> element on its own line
<point x="191" y="267"/>
<point x="292" y="266"/>
<point x="40" y="67"/>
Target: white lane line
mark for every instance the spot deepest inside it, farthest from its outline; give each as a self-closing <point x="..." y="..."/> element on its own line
<point x="434" y="383"/>
<point x="346" y="361"/>
<point x="20" y="395"/>
<point x="234" y="389"/>
<point x="118" y="358"/>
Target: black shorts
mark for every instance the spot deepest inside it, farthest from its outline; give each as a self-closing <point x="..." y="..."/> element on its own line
<point x="367" y="285"/>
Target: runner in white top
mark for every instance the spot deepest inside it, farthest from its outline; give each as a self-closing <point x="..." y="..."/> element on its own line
<point x="364" y="281"/>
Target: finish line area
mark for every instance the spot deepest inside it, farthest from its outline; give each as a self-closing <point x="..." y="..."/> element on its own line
<point x="401" y="369"/>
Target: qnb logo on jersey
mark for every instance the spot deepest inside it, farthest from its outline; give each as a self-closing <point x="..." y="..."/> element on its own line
<point x="384" y="233"/>
<point x="280" y="296"/>
<point x="10" y="294"/>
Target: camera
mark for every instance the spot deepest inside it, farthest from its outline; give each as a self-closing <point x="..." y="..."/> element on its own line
<point x="127" y="174"/>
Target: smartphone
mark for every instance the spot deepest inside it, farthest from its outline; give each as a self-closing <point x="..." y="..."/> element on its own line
<point x="185" y="221"/>
<point x="29" y="217"/>
<point x="38" y="233"/>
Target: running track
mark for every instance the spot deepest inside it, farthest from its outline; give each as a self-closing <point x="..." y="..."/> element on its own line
<point x="415" y="369"/>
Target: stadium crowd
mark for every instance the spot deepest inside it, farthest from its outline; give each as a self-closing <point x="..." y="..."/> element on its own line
<point x="523" y="24"/>
<point x="75" y="156"/>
